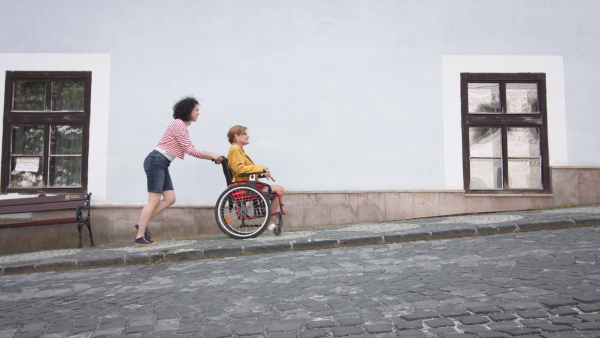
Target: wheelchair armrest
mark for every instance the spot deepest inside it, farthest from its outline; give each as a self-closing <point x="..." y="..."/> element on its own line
<point x="248" y="174"/>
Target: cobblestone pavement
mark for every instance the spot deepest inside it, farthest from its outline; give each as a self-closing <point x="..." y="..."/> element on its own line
<point x="529" y="284"/>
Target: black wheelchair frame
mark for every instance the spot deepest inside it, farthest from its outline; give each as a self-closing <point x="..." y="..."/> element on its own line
<point x="243" y="210"/>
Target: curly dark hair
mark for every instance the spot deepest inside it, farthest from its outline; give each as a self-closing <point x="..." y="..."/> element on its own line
<point x="183" y="108"/>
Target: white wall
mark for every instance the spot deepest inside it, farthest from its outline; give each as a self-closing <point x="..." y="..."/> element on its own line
<point x="337" y="94"/>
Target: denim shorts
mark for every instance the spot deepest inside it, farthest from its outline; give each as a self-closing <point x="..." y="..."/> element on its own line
<point x="156" y="166"/>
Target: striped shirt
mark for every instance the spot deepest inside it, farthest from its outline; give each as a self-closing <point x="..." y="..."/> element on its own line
<point x="176" y="141"/>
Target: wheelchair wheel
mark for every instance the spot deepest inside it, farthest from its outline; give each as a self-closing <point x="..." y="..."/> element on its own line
<point x="242" y="211"/>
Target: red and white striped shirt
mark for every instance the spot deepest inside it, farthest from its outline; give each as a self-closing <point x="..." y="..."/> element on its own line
<point x="176" y="141"/>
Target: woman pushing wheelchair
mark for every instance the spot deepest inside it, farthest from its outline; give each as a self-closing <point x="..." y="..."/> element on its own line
<point x="240" y="163"/>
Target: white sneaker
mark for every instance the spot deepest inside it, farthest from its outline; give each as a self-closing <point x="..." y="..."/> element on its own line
<point x="271" y="227"/>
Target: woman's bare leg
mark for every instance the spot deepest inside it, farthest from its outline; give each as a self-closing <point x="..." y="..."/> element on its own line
<point x="153" y="208"/>
<point x="276" y="201"/>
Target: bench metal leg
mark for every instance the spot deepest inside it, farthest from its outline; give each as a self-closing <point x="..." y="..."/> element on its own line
<point x="81" y="220"/>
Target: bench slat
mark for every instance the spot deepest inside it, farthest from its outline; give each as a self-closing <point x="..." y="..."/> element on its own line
<point x="43" y="199"/>
<point x="15" y="209"/>
<point x="40" y="222"/>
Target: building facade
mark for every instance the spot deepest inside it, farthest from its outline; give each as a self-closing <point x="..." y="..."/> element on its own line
<point x="365" y="111"/>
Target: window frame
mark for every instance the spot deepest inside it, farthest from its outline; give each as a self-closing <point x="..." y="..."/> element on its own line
<point x="505" y="120"/>
<point x="45" y="118"/>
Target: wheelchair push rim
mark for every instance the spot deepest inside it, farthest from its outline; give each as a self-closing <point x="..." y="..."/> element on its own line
<point x="243" y="211"/>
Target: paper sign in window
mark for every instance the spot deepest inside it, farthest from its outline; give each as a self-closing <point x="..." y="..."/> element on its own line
<point x="31" y="164"/>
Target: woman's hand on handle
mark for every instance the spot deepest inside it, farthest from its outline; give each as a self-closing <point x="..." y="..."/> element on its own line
<point x="213" y="157"/>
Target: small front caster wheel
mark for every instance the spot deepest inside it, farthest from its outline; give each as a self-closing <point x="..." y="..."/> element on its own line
<point x="277" y="231"/>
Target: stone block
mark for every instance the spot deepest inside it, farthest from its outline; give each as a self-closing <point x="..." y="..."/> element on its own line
<point x="16" y="240"/>
<point x="183" y="255"/>
<point x="425" y="204"/>
<point x="176" y="222"/>
<point x="317" y="210"/>
<point x="565" y="187"/>
<point x="589" y="181"/>
<point x="294" y="210"/>
<point x="312" y="245"/>
<point x="452" y="203"/>
<point x="398" y="206"/>
<point x="371" y="207"/>
<point x="344" y="208"/>
<point x="453" y="233"/>
<point x="410" y="236"/>
<point x="487" y="203"/>
<point x="223" y="252"/>
<point x="205" y="222"/>
<point x="266" y="249"/>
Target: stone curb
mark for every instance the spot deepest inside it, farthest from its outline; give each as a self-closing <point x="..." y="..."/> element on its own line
<point x="152" y="258"/>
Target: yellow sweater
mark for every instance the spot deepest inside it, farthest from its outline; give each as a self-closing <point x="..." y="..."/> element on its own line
<point x="240" y="163"/>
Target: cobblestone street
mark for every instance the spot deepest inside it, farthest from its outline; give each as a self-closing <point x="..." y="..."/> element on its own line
<point x="536" y="284"/>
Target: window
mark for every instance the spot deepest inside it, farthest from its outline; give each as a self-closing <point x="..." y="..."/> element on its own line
<point x="504" y="128"/>
<point x="46" y="132"/>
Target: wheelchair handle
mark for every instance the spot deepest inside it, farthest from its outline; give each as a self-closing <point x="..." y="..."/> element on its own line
<point x="215" y="162"/>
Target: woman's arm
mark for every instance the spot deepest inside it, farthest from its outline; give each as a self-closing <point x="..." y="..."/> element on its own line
<point x="182" y="138"/>
<point x="207" y="155"/>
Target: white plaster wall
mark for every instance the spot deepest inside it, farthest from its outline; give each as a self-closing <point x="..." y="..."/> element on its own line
<point x="99" y="65"/>
<point x="338" y="94"/>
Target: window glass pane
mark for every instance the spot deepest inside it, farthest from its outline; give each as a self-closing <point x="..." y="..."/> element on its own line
<point x="66" y="140"/>
<point x="27" y="140"/>
<point x="523" y="142"/>
<point x="484" y="98"/>
<point x="522" y="98"/>
<point x="524" y="174"/>
<point x="26" y="172"/>
<point x="65" y="171"/>
<point x="29" y="95"/>
<point x="486" y="174"/>
<point x="67" y="95"/>
<point x="485" y="142"/>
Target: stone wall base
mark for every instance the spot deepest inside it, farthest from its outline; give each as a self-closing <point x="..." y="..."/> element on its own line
<point x="572" y="186"/>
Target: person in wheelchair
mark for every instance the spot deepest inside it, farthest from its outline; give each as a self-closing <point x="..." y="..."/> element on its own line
<point x="241" y="163"/>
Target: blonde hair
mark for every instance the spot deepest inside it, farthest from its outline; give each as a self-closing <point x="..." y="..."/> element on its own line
<point x="235" y="130"/>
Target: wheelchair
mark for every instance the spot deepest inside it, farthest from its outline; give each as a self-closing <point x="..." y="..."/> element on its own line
<point x="243" y="210"/>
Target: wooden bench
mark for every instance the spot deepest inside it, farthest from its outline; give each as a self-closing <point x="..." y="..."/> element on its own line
<point x="75" y="202"/>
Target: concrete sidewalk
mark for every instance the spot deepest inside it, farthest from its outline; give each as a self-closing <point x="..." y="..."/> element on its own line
<point x="351" y="235"/>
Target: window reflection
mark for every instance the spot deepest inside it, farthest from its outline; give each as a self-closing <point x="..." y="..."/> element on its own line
<point x="484" y="98"/>
<point x="523" y="142"/>
<point x="27" y="140"/>
<point x="485" y="142"/>
<point x="66" y="140"/>
<point x="485" y="148"/>
<point x="26" y="172"/>
<point x="67" y="95"/>
<point x="29" y="95"/>
<point x="65" y="169"/>
<point x="524" y="174"/>
<point x="524" y="158"/>
<point x="486" y="174"/>
<point x="521" y="98"/>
